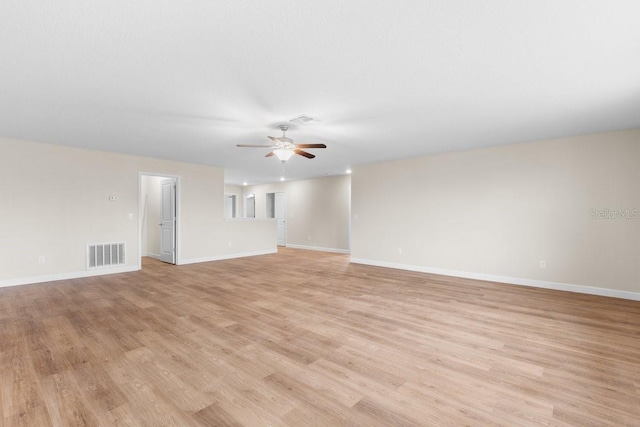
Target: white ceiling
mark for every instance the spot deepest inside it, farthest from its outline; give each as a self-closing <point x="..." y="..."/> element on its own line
<point x="188" y="80"/>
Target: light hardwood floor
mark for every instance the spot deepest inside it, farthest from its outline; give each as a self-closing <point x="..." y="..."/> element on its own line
<point x="304" y="338"/>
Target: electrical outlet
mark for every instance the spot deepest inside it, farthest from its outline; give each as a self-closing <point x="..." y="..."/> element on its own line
<point x="543" y="264"/>
<point x="41" y="260"/>
<point x="113" y="198"/>
<point x="399" y="251"/>
<point x="308" y="237"/>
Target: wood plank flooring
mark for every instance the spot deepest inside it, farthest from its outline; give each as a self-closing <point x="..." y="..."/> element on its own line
<point x="304" y="338"/>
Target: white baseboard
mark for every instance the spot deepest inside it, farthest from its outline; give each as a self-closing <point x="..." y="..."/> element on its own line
<point x="318" y="248"/>
<point x="67" y="276"/>
<point x="154" y="256"/>
<point x="635" y="296"/>
<point x="226" y="256"/>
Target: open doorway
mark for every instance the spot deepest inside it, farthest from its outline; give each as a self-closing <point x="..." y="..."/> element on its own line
<point x="159" y="207"/>
<point x="250" y="205"/>
<point x="230" y="205"/>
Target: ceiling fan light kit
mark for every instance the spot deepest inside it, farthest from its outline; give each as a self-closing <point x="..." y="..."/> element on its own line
<point x="284" y="147"/>
<point x="283" y="154"/>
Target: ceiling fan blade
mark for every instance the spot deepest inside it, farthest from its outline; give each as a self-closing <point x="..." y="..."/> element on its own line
<point x="311" y="146"/>
<point x="255" y="146"/>
<point x="304" y="154"/>
<point x="274" y="139"/>
<point x="270" y="154"/>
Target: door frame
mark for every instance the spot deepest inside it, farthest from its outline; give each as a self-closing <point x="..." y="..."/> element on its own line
<point x="178" y="212"/>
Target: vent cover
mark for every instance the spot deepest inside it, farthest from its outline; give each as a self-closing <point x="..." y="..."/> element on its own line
<point x="303" y="119"/>
<point x="100" y="255"/>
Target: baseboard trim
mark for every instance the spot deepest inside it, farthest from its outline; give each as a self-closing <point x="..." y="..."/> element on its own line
<point x="318" y="248"/>
<point x="227" y="256"/>
<point x="66" y="276"/>
<point x="581" y="289"/>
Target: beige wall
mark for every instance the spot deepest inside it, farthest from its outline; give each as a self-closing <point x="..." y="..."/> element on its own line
<point x="317" y="210"/>
<point x="499" y="211"/>
<point x="55" y="200"/>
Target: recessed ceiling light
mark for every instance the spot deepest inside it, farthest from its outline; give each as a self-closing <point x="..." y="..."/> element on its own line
<point x="244" y="183"/>
<point x="282" y="178"/>
<point x="348" y="171"/>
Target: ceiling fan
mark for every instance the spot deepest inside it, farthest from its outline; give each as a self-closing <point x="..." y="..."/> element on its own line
<point x="284" y="148"/>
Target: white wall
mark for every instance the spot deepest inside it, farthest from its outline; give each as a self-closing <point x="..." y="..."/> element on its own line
<point x="55" y="200"/>
<point x="496" y="213"/>
<point x="317" y="211"/>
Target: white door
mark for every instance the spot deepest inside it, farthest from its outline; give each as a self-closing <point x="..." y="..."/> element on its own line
<point x="168" y="221"/>
<point x="280" y="213"/>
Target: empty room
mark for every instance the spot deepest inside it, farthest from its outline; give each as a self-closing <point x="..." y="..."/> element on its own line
<point x="363" y="213"/>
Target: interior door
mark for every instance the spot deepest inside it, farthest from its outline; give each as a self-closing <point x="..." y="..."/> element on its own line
<point x="280" y="213"/>
<point x="168" y="221"/>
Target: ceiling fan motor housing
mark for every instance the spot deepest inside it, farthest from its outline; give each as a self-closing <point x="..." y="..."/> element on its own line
<point x="287" y="143"/>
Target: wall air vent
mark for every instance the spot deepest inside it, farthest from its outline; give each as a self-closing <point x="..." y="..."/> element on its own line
<point x="100" y="255"/>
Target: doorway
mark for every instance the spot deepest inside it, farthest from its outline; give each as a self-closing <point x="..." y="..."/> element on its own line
<point x="250" y="205"/>
<point x="229" y="206"/>
<point x="276" y="204"/>
<point x="159" y="207"/>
